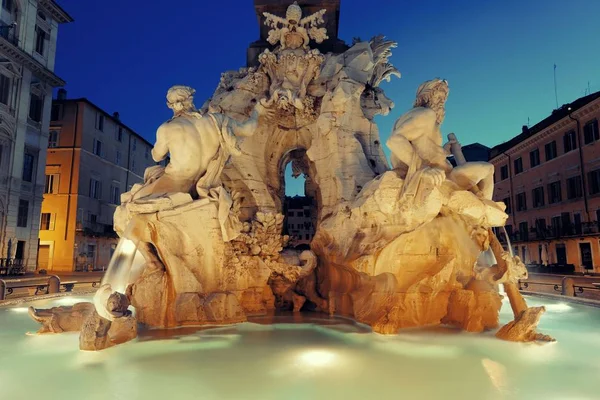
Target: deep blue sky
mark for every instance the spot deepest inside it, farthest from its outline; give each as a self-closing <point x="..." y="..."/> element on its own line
<point x="498" y="56"/>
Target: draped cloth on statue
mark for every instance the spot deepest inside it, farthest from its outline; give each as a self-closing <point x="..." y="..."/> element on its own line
<point x="210" y="185"/>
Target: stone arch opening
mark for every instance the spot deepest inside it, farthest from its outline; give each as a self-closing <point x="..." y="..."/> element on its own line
<point x="299" y="206"/>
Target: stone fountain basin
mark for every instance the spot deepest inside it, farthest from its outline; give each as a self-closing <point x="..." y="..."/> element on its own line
<point x="307" y="356"/>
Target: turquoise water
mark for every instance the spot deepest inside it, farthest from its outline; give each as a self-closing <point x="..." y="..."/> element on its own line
<point x="324" y="358"/>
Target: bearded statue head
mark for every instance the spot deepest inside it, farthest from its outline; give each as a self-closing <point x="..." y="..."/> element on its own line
<point x="433" y="94"/>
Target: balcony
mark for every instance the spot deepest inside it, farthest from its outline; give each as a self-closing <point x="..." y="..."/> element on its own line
<point x="96" y="229"/>
<point x="8" y="32"/>
<point x="562" y="231"/>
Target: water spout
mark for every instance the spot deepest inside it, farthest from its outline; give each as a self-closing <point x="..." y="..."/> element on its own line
<point x="124" y="268"/>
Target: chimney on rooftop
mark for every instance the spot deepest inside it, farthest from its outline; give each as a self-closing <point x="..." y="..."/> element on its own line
<point x="116" y="116"/>
<point x="62" y="94"/>
<point x="525" y="130"/>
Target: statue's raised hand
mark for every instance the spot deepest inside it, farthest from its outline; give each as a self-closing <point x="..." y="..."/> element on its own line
<point x="261" y="111"/>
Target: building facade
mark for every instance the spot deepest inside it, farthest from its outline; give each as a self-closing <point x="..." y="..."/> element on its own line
<point x="28" y="34"/>
<point x="549" y="178"/>
<point x="299" y="220"/>
<point x="92" y="158"/>
<point x="473" y="152"/>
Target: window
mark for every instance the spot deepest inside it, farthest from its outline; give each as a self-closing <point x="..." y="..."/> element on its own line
<point x="93" y="218"/>
<point x="91" y="251"/>
<point x="570" y="141"/>
<point x="95" y="189"/>
<point x="299" y="213"/>
<point x="8" y="5"/>
<point x="28" y="161"/>
<point x="538" y="197"/>
<point x="540" y="226"/>
<point x="521" y="202"/>
<point x="566" y="223"/>
<point x="590" y="132"/>
<point x="518" y="165"/>
<point x="51" y="183"/>
<point x="507" y="202"/>
<point x="36" y="104"/>
<point x="23" y="213"/>
<point x="554" y="193"/>
<point x="550" y="149"/>
<point x="4" y="89"/>
<point x="47" y="222"/>
<point x="118" y="158"/>
<point x="577" y="223"/>
<point x="503" y="172"/>
<point x="524" y="230"/>
<point x="134" y="144"/>
<point x="534" y="158"/>
<point x="147" y="153"/>
<point x="115" y="195"/>
<point x="594" y="181"/>
<point x="98" y="148"/>
<point x="40" y="40"/>
<point x="53" y="139"/>
<point x="574" y="188"/>
<point x="120" y="134"/>
<point x="56" y="112"/>
<point x="100" y="122"/>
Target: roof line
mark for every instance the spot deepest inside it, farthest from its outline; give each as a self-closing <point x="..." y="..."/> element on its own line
<point x="118" y="121"/>
<point x="57" y="11"/>
<point x="557" y="115"/>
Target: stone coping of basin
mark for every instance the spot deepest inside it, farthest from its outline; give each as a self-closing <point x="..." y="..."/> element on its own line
<point x="28" y="299"/>
<point x="578" y="300"/>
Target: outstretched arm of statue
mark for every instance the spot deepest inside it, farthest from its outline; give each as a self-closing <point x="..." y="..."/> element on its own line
<point x="248" y="127"/>
<point x="161" y="147"/>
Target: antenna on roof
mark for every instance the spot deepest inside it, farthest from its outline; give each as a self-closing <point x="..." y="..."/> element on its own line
<point x="528" y="125"/>
<point x="555" y="90"/>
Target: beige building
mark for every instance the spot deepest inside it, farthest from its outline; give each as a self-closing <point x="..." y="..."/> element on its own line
<point x="549" y="177"/>
<point x="92" y="158"/>
<point x="298" y="223"/>
<point x="28" y="32"/>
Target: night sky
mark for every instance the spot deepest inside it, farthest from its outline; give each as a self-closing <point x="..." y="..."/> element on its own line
<point x="498" y="56"/>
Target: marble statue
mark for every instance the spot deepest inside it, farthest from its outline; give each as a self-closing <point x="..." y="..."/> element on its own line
<point x="62" y="319"/>
<point x="416" y="138"/>
<point x="198" y="146"/>
<point x="394" y="247"/>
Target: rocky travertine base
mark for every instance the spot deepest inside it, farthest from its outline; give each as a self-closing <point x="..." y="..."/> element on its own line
<point x="473" y="311"/>
<point x="202" y="280"/>
<point x="62" y="319"/>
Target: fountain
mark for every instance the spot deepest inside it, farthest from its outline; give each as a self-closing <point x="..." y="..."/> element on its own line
<point x="201" y="239"/>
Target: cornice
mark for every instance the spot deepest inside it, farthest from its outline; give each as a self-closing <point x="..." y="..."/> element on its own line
<point x="55" y="11"/>
<point x="549" y="131"/>
<point x="17" y="55"/>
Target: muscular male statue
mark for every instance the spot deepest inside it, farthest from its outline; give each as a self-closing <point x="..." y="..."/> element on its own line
<point x="198" y="145"/>
<point x="416" y="136"/>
